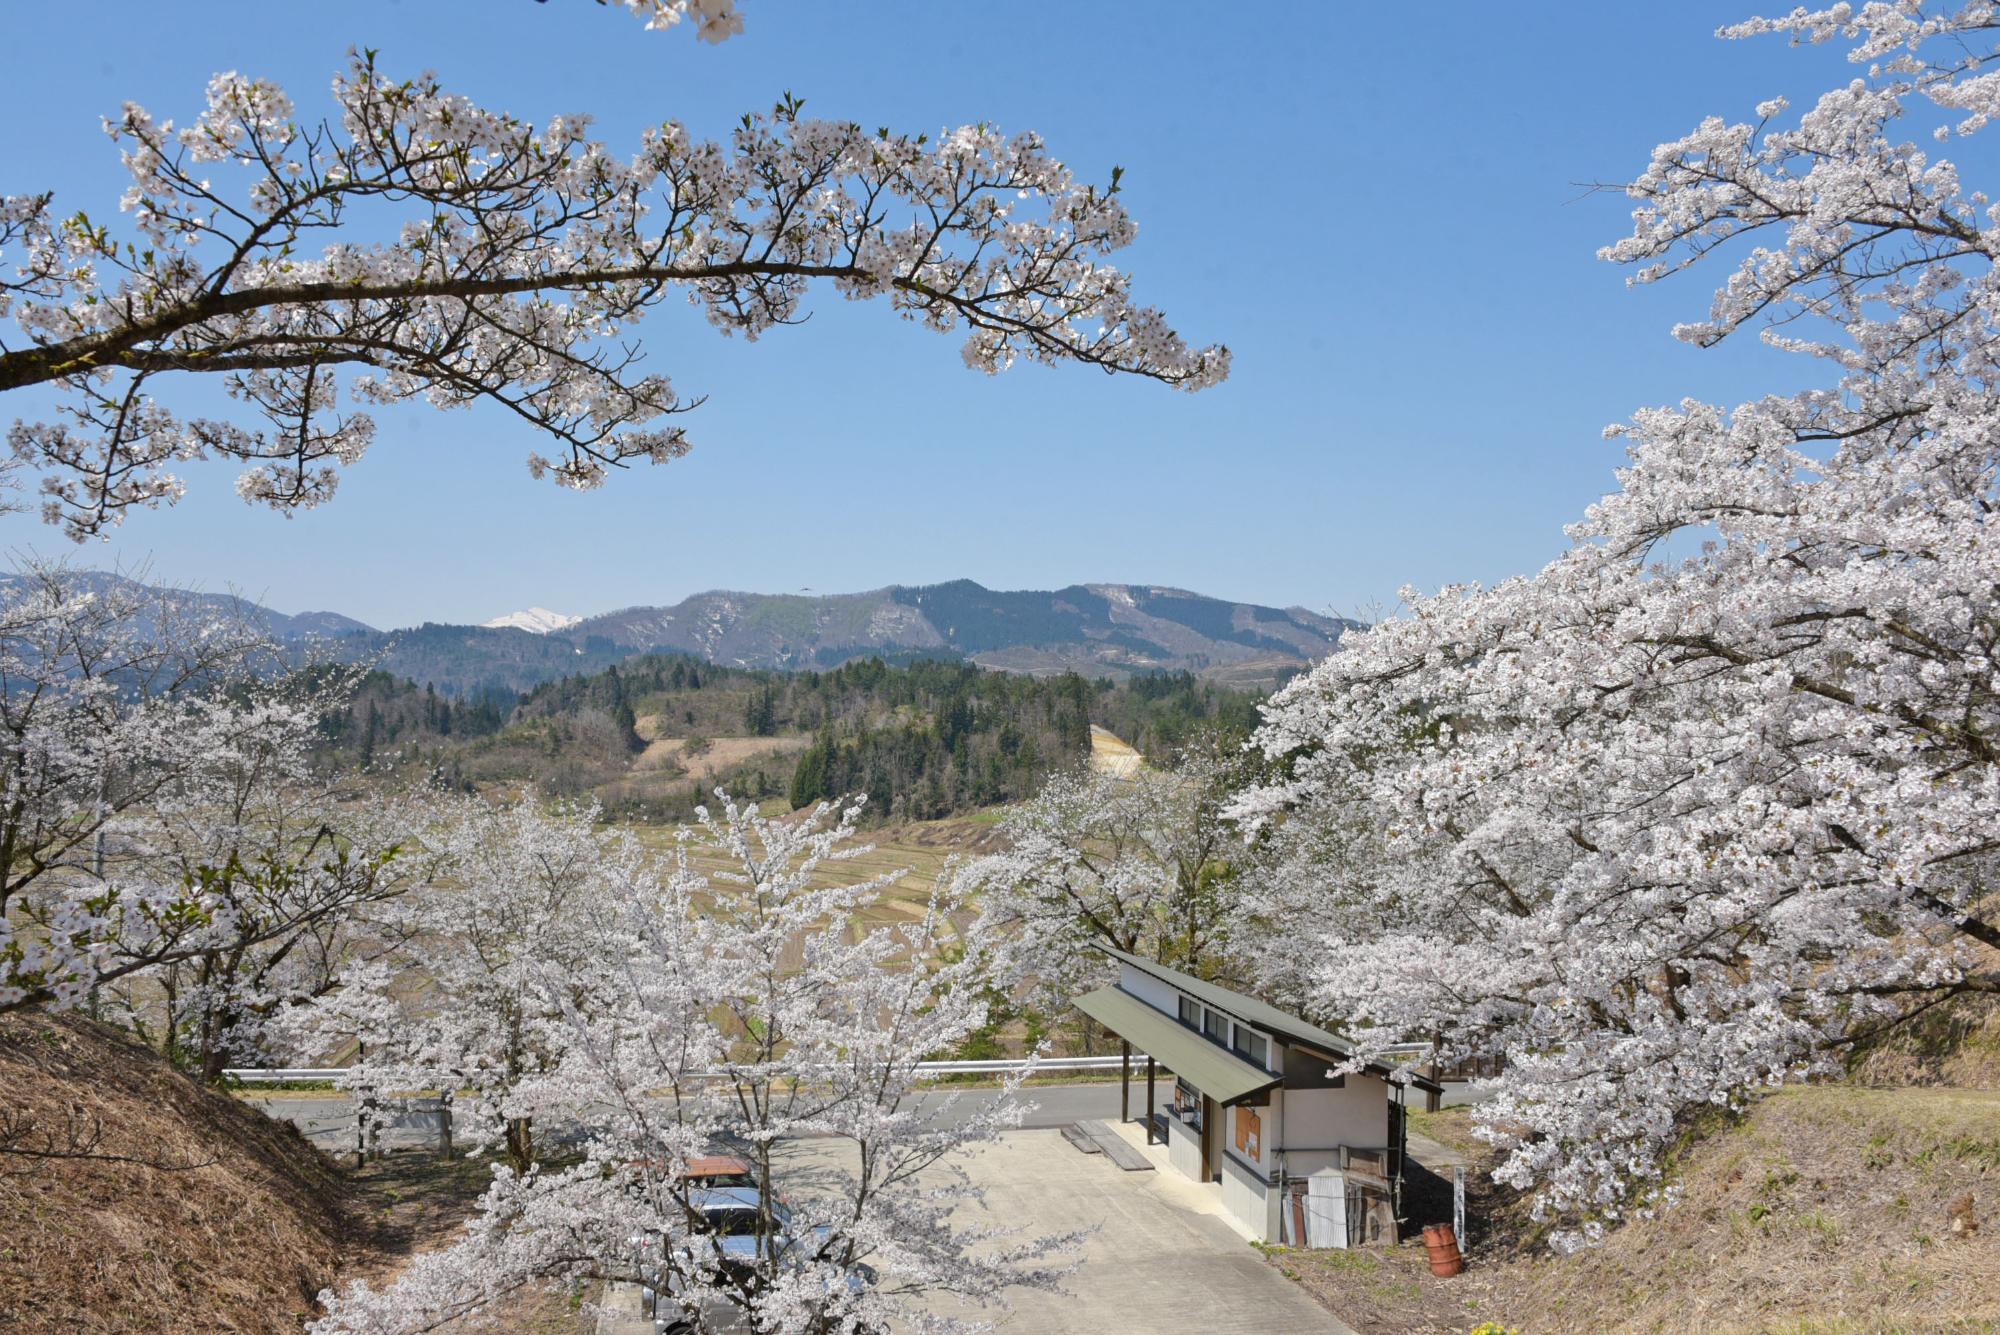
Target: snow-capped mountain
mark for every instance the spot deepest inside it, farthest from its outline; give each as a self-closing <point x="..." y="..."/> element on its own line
<point x="539" y="620"/>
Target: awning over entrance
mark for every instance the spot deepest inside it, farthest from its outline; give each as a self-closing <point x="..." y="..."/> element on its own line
<point x="1215" y="1071"/>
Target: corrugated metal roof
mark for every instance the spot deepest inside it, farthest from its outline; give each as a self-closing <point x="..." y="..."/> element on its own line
<point x="1254" y="1012"/>
<point x="1215" y="1071"/>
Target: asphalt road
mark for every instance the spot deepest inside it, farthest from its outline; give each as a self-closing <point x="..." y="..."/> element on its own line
<point x="329" y="1120"/>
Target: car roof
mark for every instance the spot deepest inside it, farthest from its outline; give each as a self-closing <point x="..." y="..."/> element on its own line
<point x="716" y="1165"/>
<point x="724" y="1198"/>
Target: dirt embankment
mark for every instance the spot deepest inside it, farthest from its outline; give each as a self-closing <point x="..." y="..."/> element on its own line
<point x="166" y="1207"/>
<point x="1825" y="1211"/>
<point x="134" y="1200"/>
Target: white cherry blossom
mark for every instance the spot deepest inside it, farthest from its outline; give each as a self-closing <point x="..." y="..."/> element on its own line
<point x="419" y="246"/>
<point x="1715" y="795"/>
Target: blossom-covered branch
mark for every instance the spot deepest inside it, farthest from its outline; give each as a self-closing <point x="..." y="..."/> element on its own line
<point x="714" y="20"/>
<point x="422" y="247"/>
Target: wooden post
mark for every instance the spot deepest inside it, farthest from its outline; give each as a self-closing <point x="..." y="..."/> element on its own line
<point x="1149" y="1098"/>
<point x="444" y="1124"/>
<point x="1433" y="1100"/>
<point x="1124" y="1080"/>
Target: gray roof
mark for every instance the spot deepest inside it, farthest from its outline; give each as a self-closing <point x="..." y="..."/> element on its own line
<point x="1255" y="1013"/>
<point x="1216" y="1072"/>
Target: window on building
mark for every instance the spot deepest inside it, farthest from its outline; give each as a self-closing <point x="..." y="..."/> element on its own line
<point x="1190" y="1014"/>
<point x="1216" y="1025"/>
<point x="1252" y="1047"/>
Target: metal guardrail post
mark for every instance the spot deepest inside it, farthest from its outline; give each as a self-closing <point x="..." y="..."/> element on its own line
<point x="1458" y="1203"/>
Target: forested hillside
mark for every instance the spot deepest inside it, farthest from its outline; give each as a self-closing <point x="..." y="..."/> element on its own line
<point x="652" y="737"/>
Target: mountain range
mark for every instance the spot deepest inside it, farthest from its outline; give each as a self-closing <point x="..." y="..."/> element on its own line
<point x="1096" y="629"/>
<point x="1119" y="628"/>
<point x="300" y="626"/>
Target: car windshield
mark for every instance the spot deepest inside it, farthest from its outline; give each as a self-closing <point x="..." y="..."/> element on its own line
<point x="732" y="1223"/>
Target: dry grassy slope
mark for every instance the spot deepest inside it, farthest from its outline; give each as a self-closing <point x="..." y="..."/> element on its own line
<point x="1956" y="1044"/>
<point x="1828" y="1203"/>
<point x="1113" y="755"/>
<point x="241" y="1244"/>
<point x="1826" y="1209"/>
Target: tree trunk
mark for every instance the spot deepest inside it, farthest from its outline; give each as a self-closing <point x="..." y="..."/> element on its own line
<point x="520" y="1143"/>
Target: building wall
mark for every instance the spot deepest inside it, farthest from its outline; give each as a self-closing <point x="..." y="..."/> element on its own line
<point x="1159" y="995"/>
<point x="1246" y="1182"/>
<point x="1184" y="1149"/>
<point x="1246" y="1194"/>
<point x="1356" y="1114"/>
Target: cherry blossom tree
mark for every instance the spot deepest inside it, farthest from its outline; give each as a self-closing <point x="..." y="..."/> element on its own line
<point x="754" y="1005"/>
<point x="1143" y="863"/>
<point x="450" y="988"/>
<point x="169" y="855"/>
<point x="112" y="697"/>
<point x="277" y="865"/>
<point x="419" y="246"/>
<point x="1711" y="798"/>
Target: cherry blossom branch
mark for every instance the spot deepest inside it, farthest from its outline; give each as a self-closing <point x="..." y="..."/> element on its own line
<point x="502" y="263"/>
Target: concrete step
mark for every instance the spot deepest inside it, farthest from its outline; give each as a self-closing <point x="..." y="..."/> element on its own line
<point x="1115" y="1148"/>
<point x="1080" y="1138"/>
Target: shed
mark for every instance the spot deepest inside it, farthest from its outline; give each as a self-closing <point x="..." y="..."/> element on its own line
<point x="1257" y="1108"/>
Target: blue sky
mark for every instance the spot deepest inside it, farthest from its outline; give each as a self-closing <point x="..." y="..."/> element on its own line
<point x="1385" y="222"/>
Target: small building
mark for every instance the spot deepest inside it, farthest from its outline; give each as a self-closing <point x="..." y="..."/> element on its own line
<point x="1301" y="1155"/>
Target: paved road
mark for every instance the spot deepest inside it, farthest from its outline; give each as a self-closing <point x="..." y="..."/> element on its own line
<point x="330" y="1120"/>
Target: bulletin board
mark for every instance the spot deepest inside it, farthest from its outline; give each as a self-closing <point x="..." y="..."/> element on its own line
<point x="1250" y="1133"/>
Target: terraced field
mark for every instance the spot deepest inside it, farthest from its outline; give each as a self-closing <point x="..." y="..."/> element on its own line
<point x="918" y="853"/>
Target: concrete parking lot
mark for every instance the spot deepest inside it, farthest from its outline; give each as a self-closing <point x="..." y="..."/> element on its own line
<point x="1162" y="1257"/>
<point x="328" y="1118"/>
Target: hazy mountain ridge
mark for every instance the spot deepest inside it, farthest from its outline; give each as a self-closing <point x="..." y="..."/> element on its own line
<point x="1095" y="629"/>
<point x="1117" y="628"/>
<point x="197" y="603"/>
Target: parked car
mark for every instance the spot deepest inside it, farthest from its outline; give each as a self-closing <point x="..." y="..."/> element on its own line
<point x="709" y="1170"/>
<point x="727" y="1215"/>
<point x="720" y="1170"/>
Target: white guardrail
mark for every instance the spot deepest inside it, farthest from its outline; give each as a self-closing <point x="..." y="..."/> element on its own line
<point x="266" y="1075"/>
